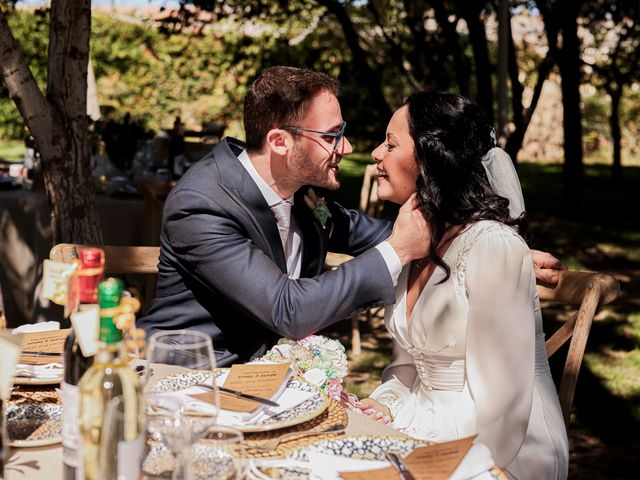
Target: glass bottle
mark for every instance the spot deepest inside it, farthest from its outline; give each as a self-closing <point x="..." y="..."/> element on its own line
<point x="76" y="363"/>
<point x="110" y="377"/>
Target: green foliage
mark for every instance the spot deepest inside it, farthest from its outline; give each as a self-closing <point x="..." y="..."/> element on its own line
<point x="31" y="30"/>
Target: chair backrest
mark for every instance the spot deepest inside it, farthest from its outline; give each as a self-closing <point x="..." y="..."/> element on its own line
<point x="369" y="204"/>
<point x="587" y="290"/>
<point x="119" y="260"/>
<point x="369" y="201"/>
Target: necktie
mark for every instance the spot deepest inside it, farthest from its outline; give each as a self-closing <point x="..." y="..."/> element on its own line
<point x="282" y="212"/>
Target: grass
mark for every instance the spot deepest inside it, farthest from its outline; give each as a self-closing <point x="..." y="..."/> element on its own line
<point x="11" y="150"/>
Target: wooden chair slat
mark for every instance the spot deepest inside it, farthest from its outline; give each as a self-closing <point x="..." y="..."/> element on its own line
<point x="119" y="260"/>
<point x="588" y="290"/>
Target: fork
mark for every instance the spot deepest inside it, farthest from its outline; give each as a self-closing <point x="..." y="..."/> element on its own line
<point x="273" y="444"/>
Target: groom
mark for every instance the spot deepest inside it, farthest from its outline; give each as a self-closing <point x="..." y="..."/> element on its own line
<point x="242" y="252"/>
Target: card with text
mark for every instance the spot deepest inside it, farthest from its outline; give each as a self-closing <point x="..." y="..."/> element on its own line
<point x="40" y="348"/>
<point x="264" y="380"/>
<point x="434" y="462"/>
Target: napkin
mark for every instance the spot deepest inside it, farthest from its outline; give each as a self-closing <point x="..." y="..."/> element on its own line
<point x="50" y="371"/>
<point x="290" y="398"/>
<point x="36" y="327"/>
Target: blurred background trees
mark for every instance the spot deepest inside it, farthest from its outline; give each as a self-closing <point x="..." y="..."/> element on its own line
<point x="196" y="62"/>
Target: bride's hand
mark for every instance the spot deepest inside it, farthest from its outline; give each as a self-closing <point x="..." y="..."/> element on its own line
<point x="374" y="409"/>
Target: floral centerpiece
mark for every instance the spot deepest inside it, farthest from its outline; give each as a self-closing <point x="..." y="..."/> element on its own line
<point x="319" y="360"/>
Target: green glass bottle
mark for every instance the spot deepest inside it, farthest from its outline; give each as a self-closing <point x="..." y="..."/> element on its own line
<point x="110" y="377"/>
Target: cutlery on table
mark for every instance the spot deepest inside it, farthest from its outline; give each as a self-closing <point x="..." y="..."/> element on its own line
<point x="398" y="463"/>
<point x="43" y="354"/>
<point x="273" y="443"/>
<point x="237" y="393"/>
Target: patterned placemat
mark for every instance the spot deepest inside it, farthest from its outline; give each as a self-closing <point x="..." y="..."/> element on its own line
<point x="34" y="415"/>
<point x="35" y="394"/>
<point x="335" y="415"/>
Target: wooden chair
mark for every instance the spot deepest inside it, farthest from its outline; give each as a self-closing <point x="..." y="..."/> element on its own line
<point x="588" y="290"/>
<point x="120" y="260"/>
<point x="372" y="206"/>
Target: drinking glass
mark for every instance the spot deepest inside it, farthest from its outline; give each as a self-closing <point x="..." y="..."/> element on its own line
<point x="221" y="455"/>
<point x="120" y="459"/>
<point x="167" y="424"/>
<point x="171" y="353"/>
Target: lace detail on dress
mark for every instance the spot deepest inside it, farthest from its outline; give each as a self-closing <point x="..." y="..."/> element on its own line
<point x="438" y="372"/>
<point x="471" y="236"/>
<point x="391" y="400"/>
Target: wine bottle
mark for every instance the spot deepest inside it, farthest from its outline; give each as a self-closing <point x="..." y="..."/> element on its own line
<point x="110" y="377"/>
<point x="76" y="363"/>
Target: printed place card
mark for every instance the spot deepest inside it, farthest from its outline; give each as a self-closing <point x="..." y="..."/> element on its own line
<point x="40" y="348"/>
<point x="264" y="380"/>
<point x="435" y="462"/>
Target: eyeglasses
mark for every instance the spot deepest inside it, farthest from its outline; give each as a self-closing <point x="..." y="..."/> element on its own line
<point x="336" y="135"/>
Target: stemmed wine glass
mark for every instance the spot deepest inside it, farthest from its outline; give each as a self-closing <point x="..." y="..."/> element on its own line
<point x="173" y="353"/>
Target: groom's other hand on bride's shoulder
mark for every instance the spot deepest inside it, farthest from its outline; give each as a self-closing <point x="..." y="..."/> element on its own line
<point x="411" y="236"/>
<point x="374" y="409"/>
<point x="546" y="267"/>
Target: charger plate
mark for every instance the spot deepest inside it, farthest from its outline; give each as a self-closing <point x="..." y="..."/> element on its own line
<point x="359" y="447"/>
<point x="303" y="412"/>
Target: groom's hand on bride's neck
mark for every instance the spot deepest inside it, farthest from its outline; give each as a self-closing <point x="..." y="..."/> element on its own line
<point x="411" y="236"/>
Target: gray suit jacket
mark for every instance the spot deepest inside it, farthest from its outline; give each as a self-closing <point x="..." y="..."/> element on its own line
<point x="222" y="268"/>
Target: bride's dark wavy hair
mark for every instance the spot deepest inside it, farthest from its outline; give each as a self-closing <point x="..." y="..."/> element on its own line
<point x="451" y="135"/>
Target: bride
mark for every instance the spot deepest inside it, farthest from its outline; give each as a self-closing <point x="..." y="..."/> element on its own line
<point x="469" y="353"/>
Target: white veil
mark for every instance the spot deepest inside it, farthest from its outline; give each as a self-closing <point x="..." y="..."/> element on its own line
<point x="504" y="180"/>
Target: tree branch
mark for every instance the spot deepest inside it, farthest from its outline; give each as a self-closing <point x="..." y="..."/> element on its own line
<point x="22" y="86"/>
<point x="396" y="50"/>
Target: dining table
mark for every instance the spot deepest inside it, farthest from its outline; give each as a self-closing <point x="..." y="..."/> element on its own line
<point x="45" y="462"/>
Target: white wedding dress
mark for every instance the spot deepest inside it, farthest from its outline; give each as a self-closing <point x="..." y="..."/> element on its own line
<point x="471" y="359"/>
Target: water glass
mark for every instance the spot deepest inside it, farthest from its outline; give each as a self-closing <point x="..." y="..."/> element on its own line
<point x="221" y="455"/>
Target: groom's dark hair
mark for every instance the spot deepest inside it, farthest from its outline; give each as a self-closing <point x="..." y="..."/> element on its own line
<point x="280" y="96"/>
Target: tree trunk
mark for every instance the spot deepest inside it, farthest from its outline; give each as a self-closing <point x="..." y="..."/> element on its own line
<point x="58" y="122"/>
<point x="452" y="41"/>
<point x="478" y="40"/>
<point x="569" y="64"/>
<point x="616" y="135"/>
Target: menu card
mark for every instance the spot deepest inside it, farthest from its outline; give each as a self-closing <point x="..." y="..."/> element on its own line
<point x="49" y="342"/>
<point x="9" y="354"/>
<point x="266" y="380"/>
<point x="435" y="462"/>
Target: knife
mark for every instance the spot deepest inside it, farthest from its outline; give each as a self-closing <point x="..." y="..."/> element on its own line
<point x="399" y="465"/>
<point x="43" y="354"/>
<point x="237" y="393"/>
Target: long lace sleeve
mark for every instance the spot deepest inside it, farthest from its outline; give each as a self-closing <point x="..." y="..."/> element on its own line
<point x="397" y="379"/>
<point x="500" y="354"/>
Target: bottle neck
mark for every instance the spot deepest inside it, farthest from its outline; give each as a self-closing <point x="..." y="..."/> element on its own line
<point x="110" y="352"/>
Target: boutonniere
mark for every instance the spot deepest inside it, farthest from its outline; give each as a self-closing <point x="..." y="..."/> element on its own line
<point x="318" y="206"/>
